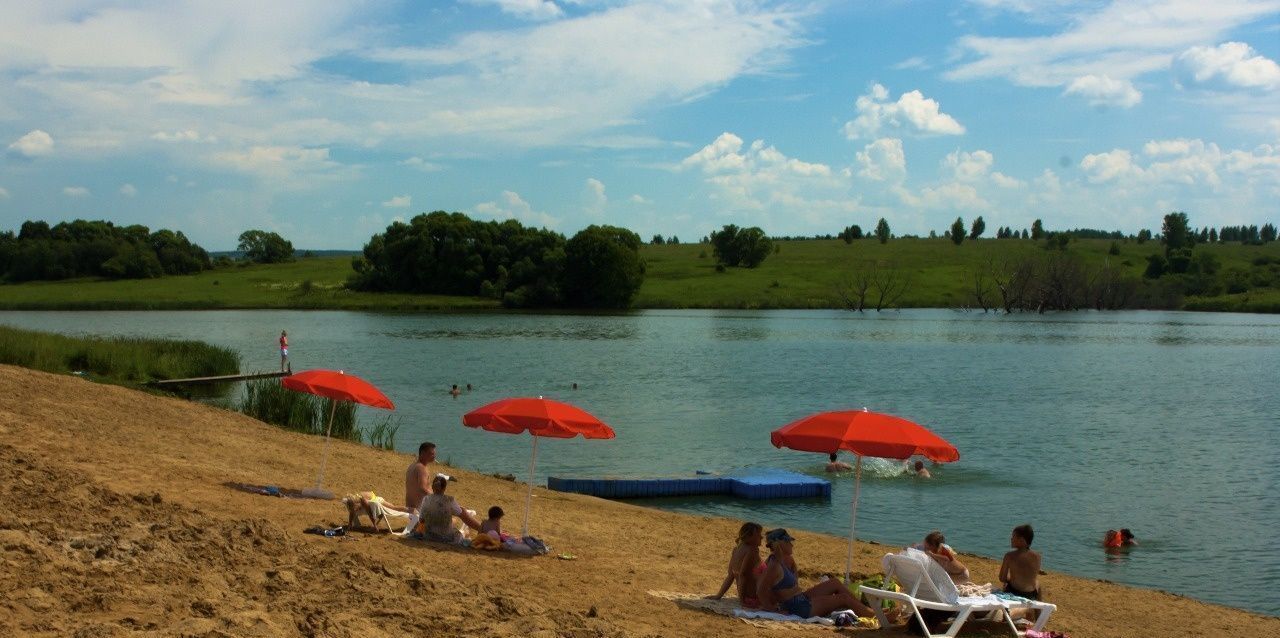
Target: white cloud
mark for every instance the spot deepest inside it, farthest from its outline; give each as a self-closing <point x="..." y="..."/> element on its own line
<point x="639" y="199"/>
<point x="882" y="160"/>
<point x="912" y="63"/>
<point x="1120" y="40"/>
<point x="37" y="143"/>
<point x="1230" y="65"/>
<point x="594" y="199"/>
<point x="725" y="155"/>
<point x="187" y="135"/>
<point x="282" y="166"/>
<point x="1180" y="146"/>
<point x="511" y="206"/>
<point x="128" y="190"/>
<point x="911" y="113"/>
<point x="75" y="191"/>
<point x="531" y="9"/>
<point x="4" y="194"/>
<point x="968" y="167"/>
<point x="1108" y="166"/>
<point x="767" y="187"/>
<point x="421" y="164"/>
<point x="1101" y="90"/>
<point x="952" y="196"/>
<point x="398" y="201"/>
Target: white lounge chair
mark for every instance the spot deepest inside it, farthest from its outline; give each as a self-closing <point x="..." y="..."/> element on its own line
<point x="925" y="585"/>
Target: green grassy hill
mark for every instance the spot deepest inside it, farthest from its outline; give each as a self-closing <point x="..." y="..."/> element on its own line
<point x="802" y="274"/>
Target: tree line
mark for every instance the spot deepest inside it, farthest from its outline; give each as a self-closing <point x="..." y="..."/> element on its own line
<point x="96" y="249"/>
<point x="1058" y="279"/>
<point x="523" y="267"/>
<point x="99" y="248"/>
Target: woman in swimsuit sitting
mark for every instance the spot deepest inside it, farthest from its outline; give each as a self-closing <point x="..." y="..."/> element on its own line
<point x="745" y="565"/>
<point x="779" y="589"/>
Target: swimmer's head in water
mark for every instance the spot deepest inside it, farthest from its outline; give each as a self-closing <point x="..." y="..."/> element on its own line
<point x="919" y="465"/>
<point x="833" y="457"/>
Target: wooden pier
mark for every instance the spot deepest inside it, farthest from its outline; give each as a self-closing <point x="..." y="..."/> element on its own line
<point x="227" y="378"/>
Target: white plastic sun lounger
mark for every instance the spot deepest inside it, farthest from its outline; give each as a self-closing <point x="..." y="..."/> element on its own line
<point x="926" y="586"/>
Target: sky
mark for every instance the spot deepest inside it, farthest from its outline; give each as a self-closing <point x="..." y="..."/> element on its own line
<point x="326" y="121"/>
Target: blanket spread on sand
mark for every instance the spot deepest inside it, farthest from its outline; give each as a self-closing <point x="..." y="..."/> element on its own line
<point x="730" y="607"/>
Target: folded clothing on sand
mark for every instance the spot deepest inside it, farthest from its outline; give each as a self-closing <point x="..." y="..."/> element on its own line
<point x="326" y="531"/>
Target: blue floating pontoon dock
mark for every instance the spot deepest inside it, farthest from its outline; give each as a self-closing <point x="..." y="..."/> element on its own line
<point x="755" y="484"/>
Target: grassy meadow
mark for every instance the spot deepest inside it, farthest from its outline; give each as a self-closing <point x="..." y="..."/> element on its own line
<point x="801" y="274"/>
<point x="313" y="283"/>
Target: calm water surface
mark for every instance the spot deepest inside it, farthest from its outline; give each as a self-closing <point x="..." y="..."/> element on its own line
<point x="1165" y="423"/>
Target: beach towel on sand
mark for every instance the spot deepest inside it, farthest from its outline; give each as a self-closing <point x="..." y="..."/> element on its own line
<point x="730" y="607"/>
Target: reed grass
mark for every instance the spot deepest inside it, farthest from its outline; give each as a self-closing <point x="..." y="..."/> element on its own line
<point x="382" y="434"/>
<point x="270" y="402"/>
<point x="117" y="360"/>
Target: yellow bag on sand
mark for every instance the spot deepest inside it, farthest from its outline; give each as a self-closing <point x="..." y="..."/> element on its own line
<point x="486" y="542"/>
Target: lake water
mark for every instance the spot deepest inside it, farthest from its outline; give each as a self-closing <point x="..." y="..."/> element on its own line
<point x="1165" y="423"/>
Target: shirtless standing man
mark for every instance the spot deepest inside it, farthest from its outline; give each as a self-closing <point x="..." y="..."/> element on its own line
<point x="417" y="479"/>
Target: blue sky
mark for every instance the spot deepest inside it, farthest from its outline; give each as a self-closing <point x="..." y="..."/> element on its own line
<point x="326" y="121"/>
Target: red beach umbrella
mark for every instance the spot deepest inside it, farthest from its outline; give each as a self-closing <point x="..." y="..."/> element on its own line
<point x="539" y="417"/>
<point x="865" y="434"/>
<point x="338" y="386"/>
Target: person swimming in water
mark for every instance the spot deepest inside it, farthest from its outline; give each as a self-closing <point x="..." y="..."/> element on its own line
<point x="836" y="465"/>
<point x="920" y="470"/>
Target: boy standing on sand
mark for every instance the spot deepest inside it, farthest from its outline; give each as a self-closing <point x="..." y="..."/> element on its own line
<point x="1020" y="571"/>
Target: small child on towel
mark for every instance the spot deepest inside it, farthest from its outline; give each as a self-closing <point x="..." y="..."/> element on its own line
<point x="493" y="525"/>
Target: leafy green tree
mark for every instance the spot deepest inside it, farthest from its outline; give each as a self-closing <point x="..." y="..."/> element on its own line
<point x="851" y="233"/>
<point x="978" y="228"/>
<point x="882" y="231"/>
<point x="753" y="246"/>
<point x="1144" y="236"/>
<point x="724" y="245"/>
<point x="602" y="268"/>
<point x="1156" y="266"/>
<point x="1176" y="232"/>
<point x="673" y="240"/>
<point x="957" y="231"/>
<point x="1213" y="235"/>
<point x="657" y="240"/>
<point x="735" y="246"/>
<point x="1037" y="230"/>
<point x="451" y="254"/>
<point x="265" y="247"/>
<point x="1268" y="233"/>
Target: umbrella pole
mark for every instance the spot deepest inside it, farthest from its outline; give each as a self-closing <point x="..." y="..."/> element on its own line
<point x="324" y="458"/>
<point x="528" y="501"/>
<point x="853" y="518"/>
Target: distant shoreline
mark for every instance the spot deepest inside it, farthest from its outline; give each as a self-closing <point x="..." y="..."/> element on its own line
<point x="801" y="275"/>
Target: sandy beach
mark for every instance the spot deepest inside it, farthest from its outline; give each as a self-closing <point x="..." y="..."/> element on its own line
<point x="120" y="517"/>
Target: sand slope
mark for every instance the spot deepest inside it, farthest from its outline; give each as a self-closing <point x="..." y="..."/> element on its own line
<point x="117" y="518"/>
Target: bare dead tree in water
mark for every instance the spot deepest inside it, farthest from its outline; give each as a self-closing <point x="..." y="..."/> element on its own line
<point x="853" y="289"/>
<point x="1014" y="280"/>
<point x="1063" y="283"/>
<point x="888" y="284"/>
<point x="1110" y="289"/>
<point x="981" y="288"/>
